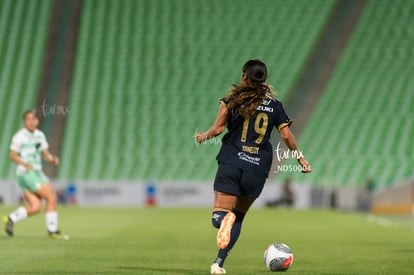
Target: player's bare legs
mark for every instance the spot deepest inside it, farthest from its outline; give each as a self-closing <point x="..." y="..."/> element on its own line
<point x="48" y="194"/>
<point x="34" y="206"/>
<point x="34" y="203"/>
<point x="224" y="201"/>
<point x="227" y="202"/>
<point x="243" y="203"/>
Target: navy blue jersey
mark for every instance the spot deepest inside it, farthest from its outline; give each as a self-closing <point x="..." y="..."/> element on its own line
<point x="246" y="144"/>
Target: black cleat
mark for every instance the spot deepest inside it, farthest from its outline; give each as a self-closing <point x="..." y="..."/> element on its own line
<point x="8" y="226"/>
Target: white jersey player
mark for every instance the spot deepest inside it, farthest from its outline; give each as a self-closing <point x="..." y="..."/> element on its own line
<point x="28" y="147"/>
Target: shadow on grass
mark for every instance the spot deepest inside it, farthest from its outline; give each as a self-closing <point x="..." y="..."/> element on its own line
<point x="406" y="250"/>
<point x="160" y="270"/>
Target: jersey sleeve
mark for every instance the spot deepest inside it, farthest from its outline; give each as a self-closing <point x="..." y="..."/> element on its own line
<point x="16" y="143"/>
<point x="43" y="143"/>
<point x="282" y="120"/>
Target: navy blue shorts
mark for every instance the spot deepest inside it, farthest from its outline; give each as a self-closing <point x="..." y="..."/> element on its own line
<point x="235" y="181"/>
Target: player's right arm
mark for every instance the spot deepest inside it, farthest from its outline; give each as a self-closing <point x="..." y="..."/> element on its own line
<point x="14" y="156"/>
<point x="218" y="127"/>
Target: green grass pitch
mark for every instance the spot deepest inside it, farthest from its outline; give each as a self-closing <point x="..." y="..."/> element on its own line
<point x="182" y="241"/>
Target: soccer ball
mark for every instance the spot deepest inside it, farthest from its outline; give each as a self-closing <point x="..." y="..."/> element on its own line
<point x="278" y="257"/>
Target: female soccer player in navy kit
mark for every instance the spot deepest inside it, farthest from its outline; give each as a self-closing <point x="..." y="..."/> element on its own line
<point x="250" y="112"/>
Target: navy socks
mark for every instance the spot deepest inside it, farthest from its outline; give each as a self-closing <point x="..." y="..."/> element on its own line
<point x="217" y="217"/>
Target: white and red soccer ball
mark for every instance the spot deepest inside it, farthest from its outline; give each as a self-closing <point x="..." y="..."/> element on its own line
<point x="278" y="257"/>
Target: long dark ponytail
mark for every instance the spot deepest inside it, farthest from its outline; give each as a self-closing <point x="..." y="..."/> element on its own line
<point x="245" y="98"/>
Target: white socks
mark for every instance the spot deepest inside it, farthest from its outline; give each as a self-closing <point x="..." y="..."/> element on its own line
<point x="51" y="218"/>
<point x="18" y="214"/>
<point x="52" y="221"/>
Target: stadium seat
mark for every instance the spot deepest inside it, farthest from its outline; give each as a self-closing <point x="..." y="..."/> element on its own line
<point x="149" y="74"/>
<point x="362" y="124"/>
<point x="23" y="30"/>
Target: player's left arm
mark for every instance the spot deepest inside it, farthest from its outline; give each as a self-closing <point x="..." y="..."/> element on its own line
<point x="47" y="156"/>
<point x="218" y="127"/>
<point x="290" y="142"/>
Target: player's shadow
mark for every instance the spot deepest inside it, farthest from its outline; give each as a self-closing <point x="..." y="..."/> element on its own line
<point x="161" y="270"/>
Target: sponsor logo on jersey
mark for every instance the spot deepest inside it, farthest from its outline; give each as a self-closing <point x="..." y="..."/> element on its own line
<point x="265" y="109"/>
<point x="250" y="149"/>
<point x="246" y="157"/>
<point x="266" y="101"/>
